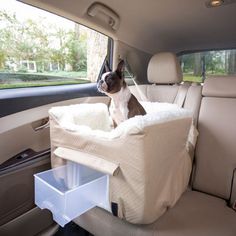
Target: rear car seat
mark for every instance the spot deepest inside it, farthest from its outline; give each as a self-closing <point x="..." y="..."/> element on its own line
<point x="203" y="210"/>
<point x="216" y="150"/>
<point x="165" y="77"/>
<point x="164" y="74"/>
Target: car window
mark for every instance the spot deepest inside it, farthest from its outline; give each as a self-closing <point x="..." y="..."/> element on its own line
<point x="128" y="74"/>
<point x="38" y="48"/>
<point x="197" y="66"/>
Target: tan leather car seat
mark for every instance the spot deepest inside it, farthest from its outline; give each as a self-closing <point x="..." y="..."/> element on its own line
<point x="166" y="84"/>
<point x="202" y="211"/>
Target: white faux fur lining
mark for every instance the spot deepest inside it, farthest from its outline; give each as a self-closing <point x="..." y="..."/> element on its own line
<point x="94" y="119"/>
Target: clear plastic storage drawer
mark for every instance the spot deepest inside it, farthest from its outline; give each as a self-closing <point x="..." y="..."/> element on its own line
<point x="70" y="190"/>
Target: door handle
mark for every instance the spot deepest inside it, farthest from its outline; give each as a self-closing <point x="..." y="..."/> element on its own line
<point x="44" y="125"/>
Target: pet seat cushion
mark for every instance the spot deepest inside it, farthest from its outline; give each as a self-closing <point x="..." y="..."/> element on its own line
<point x="150" y="151"/>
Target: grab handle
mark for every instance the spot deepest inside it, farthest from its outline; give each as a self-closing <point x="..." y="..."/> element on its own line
<point x="97" y="8"/>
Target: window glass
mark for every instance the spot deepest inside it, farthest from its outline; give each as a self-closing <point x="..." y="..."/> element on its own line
<point x="38" y="48"/>
<point x="197" y="66"/>
<point x="128" y="74"/>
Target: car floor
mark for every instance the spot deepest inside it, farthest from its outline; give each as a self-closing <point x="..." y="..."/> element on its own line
<point x="71" y="229"/>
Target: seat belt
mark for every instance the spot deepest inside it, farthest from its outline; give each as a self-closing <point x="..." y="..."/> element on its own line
<point x="182" y="94"/>
<point x="179" y="99"/>
<point x="141" y="94"/>
<point x="233" y="191"/>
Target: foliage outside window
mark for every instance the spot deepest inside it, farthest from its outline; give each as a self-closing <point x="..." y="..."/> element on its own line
<point x="197" y="66"/>
<point x="38" y="48"/>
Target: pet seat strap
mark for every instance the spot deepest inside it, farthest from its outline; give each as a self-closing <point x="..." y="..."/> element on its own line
<point x="87" y="159"/>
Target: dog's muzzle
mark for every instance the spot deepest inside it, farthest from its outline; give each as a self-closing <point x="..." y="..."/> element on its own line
<point x="102" y="86"/>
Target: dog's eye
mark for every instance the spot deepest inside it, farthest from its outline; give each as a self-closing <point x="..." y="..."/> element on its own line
<point x="109" y="78"/>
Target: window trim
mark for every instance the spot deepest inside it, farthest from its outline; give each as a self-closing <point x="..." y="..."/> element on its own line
<point x="108" y="59"/>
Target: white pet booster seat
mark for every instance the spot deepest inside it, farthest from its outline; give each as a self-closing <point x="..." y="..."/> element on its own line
<point x="136" y="171"/>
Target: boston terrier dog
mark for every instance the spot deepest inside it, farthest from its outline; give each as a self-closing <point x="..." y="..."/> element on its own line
<point x="123" y="105"/>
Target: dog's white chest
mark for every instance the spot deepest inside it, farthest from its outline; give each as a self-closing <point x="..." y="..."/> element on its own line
<point x="119" y="105"/>
<point x="119" y="113"/>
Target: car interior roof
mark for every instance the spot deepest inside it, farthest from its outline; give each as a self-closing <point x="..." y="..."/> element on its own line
<point x="158" y="25"/>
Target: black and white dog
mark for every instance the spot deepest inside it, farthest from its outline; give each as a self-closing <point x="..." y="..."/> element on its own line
<point x="124" y="105"/>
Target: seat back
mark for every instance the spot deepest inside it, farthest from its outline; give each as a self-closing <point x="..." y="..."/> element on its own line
<point x="193" y="100"/>
<point x="216" y="147"/>
<point x="164" y="74"/>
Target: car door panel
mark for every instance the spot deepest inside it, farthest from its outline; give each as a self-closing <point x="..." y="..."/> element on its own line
<point x="19" y="133"/>
<point x="17" y="187"/>
<point x="17" y="130"/>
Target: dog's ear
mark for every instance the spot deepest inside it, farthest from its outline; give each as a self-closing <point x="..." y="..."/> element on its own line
<point x="107" y="68"/>
<point x="120" y="68"/>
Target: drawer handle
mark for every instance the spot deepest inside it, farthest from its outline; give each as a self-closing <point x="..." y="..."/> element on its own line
<point x="88" y="160"/>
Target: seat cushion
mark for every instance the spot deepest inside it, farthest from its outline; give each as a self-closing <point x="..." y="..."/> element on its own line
<point x="194" y="214"/>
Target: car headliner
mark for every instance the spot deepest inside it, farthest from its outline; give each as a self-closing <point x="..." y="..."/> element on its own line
<point x="158" y="25"/>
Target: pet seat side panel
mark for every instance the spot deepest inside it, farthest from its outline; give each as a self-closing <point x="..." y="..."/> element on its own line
<point x="167" y="166"/>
